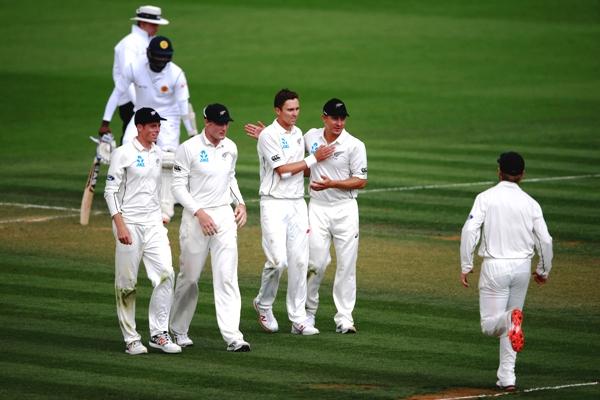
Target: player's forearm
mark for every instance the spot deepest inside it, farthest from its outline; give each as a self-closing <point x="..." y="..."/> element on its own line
<point x="111" y="105"/>
<point x="349" y="184"/>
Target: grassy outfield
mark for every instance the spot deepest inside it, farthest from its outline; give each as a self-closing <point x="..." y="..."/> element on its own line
<point x="435" y="89"/>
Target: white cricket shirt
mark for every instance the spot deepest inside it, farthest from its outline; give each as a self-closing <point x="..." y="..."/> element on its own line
<point x="204" y="175"/>
<point x="166" y="92"/>
<point x="130" y="48"/>
<point x="348" y="160"/>
<point x="513" y="225"/>
<point x="277" y="147"/>
<point x="158" y="90"/>
<point x="133" y="183"/>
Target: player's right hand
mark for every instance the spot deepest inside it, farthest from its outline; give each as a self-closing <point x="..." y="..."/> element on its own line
<point x="104" y="128"/>
<point x="539" y="278"/>
<point x="209" y="228"/>
<point x="254" y="130"/>
<point x="464" y="278"/>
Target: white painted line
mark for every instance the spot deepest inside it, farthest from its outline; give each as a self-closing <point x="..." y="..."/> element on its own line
<point x="41" y="207"/>
<point x="481" y="396"/>
<point x="364" y="191"/>
<point x="466" y="184"/>
<point x="36" y="219"/>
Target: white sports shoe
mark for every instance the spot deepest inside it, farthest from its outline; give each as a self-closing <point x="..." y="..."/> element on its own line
<point x="238" y="346"/>
<point x="266" y="319"/>
<point x="136" y="347"/>
<point x="183" y="340"/>
<point x="163" y="341"/>
<point x="345" y="329"/>
<point x="305" y="329"/>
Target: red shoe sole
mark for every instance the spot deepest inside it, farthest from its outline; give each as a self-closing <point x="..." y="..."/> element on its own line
<point x="515" y="334"/>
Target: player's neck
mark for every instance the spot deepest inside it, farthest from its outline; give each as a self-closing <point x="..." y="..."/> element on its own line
<point x="329" y="136"/>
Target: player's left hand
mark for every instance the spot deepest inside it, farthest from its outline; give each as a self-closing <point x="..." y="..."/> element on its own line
<point x="240" y="215"/>
<point x="324" y="183"/>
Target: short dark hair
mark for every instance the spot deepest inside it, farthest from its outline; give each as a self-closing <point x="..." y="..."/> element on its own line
<point x="284" y="95"/>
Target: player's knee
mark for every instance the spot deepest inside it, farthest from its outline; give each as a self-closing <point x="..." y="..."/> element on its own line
<point x="488" y="326"/>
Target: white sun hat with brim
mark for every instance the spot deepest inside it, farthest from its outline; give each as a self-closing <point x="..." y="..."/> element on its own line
<point x="150" y="14"/>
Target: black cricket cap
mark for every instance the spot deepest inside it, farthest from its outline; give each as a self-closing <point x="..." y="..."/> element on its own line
<point x="147" y="115"/>
<point x="335" y="108"/>
<point x="511" y="163"/>
<point x="217" y="113"/>
<point x="161" y="46"/>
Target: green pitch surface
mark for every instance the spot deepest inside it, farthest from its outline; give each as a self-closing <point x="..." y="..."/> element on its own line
<point x="435" y="89"/>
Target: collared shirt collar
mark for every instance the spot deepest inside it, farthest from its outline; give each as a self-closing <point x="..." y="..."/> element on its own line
<point x="140" y="147"/>
<point x="208" y="142"/>
<point x="281" y="128"/>
<point x="509" y="184"/>
<point x="139" y="31"/>
<point x="340" y="139"/>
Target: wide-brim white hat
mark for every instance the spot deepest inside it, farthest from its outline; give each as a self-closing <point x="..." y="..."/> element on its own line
<point x="150" y="14"/>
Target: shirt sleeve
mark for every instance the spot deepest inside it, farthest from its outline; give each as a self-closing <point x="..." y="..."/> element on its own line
<point x="180" y="184"/>
<point x="114" y="177"/>
<point x="543" y="242"/>
<point x="236" y="194"/>
<point x="358" y="161"/>
<point x="271" y="150"/>
<point x="471" y="233"/>
<point x="182" y="91"/>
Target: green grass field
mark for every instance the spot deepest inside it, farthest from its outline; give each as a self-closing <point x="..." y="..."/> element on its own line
<point x="435" y="89"/>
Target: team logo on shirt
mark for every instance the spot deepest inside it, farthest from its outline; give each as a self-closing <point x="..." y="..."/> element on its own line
<point x="139" y="162"/>
<point x="284" y="143"/>
<point x="164" y="89"/>
<point x="176" y="168"/>
<point x="337" y="154"/>
<point x="110" y="178"/>
<point x="314" y="147"/>
<point x="203" y="156"/>
<point x="275" y="158"/>
<point x="470" y="216"/>
<point x="363" y="170"/>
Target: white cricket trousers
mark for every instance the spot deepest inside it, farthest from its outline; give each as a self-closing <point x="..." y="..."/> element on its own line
<point x="284" y="225"/>
<point x="339" y="221"/>
<point x="195" y="247"/>
<point x="150" y="244"/>
<point x="502" y="288"/>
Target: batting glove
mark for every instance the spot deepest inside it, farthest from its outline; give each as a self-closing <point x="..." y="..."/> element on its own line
<point x="106" y="144"/>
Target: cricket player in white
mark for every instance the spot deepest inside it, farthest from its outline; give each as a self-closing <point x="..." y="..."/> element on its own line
<point x="160" y="84"/>
<point x="204" y="183"/>
<point x="132" y="194"/>
<point x="333" y="212"/>
<point x="148" y="20"/>
<point x="283" y="214"/>
<point x="511" y="225"/>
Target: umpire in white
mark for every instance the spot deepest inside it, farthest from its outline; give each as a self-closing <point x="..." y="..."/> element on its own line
<point x="132" y="194"/>
<point x="511" y="225"/>
<point x="333" y="212"/>
<point x="204" y="183"/>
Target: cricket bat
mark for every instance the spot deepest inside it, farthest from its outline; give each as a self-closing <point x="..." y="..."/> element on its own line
<point x="88" y="192"/>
